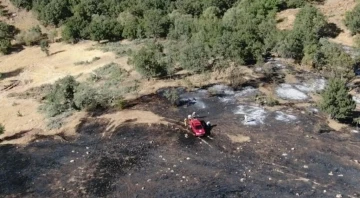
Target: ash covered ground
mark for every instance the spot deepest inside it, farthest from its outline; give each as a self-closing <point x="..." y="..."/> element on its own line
<point x="276" y="153"/>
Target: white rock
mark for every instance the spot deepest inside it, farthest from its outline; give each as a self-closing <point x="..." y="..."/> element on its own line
<point x="324" y="191"/>
<point x="71" y="161"/>
<point x="143" y="188"/>
<point x="356" y="161"/>
<point x="87" y="147"/>
<point x="242" y="179"/>
<point x="270" y="178"/>
<point x="338" y="196"/>
<point x="284" y="154"/>
<point x="186" y="135"/>
<point x="297" y="194"/>
<point x="331" y="173"/>
<point x="188" y="158"/>
<point x="148" y="180"/>
<point x="292" y="149"/>
<point x="341" y="175"/>
<point x="306" y="166"/>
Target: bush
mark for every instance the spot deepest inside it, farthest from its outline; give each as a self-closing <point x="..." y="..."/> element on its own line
<point x="61" y="98"/>
<point x="172" y="95"/>
<point x="332" y="58"/>
<point x="148" y="61"/>
<point x="270" y="101"/>
<point x="30" y="37"/>
<point x="2" y="129"/>
<point x="236" y="78"/>
<point x="337" y="101"/>
<point x="352" y="20"/>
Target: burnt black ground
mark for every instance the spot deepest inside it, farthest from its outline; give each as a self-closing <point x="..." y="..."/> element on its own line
<point x="159" y="161"/>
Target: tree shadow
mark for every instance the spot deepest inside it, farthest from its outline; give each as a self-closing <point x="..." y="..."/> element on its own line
<point x="16" y="48"/>
<point x="331" y="30"/>
<point x="15" y="136"/>
<point x="57" y="52"/>
<point x="13" y="73"/>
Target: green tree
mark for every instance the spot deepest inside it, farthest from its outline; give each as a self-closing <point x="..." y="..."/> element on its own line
<point x="102" y="27"/>
<point x="55" y="12"/>
<point x="148" y="61"/>
<point x="181" y="26"/>
<point x="155" y="23"/>
<point x="337" y="101"/>
<point x="6" y="35"/>
<point x="195" y="57"/>
<point x="27" y="4"/>
<point x="130" y="25"/>
<point x="302" y="40"/>
<point x="44" y="45"/>
<point x="75" y="28"/>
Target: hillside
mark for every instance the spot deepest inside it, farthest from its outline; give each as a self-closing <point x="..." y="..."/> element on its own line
<point x="334" y="10"/>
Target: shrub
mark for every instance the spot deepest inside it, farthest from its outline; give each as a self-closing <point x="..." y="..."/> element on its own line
<point x="337" y="102"/>
<point x="172" y="95"/>
<point x="44" y="45"/>
<point x="236" y="77"/>
<point x="87" y="62"/>
<point x="86" y="97"/>
<point x="332" y="58"/>
<point x="30" y="37"/>
<point x="352" y="20"/>
<point x="121" y="104"/>
<point x="2" y="129"/>
<point x="52" y="35"/>
<point x="270" y="101"/>
<point x="61" y="98"/>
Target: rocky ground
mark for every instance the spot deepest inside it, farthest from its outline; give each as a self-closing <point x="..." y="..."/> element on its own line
<point x="282" y="152"/>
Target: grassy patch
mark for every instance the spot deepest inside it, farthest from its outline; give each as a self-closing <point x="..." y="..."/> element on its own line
<point x="87" y="62"/>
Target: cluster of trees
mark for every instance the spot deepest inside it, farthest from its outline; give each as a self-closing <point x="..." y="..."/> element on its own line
<point x="246" y="33"/>
<point x="87" y="19"/>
